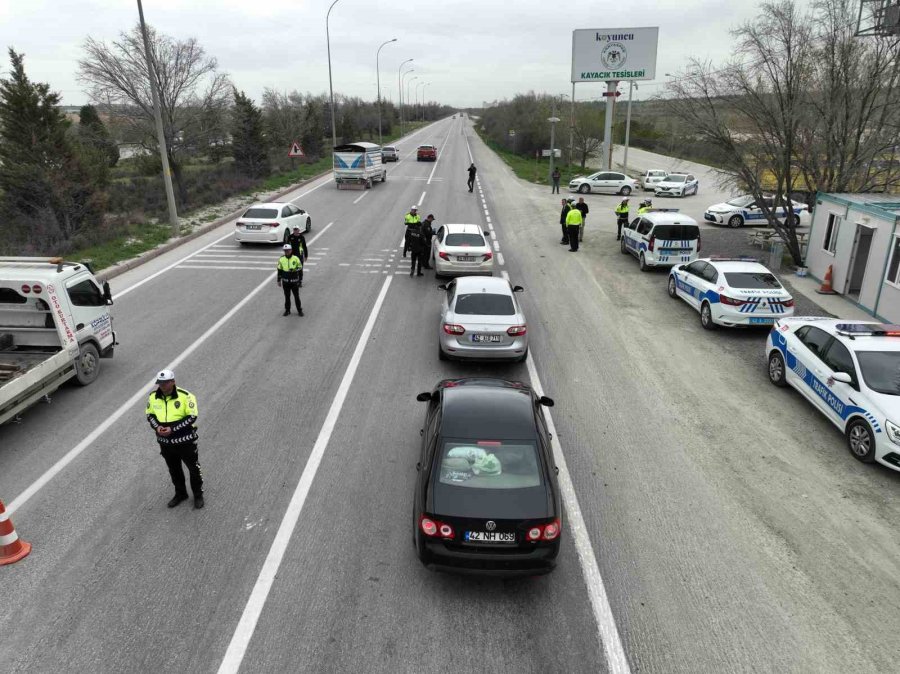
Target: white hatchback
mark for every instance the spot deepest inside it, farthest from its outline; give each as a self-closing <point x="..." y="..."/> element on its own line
<point x="270" y="223"/>
<point x="459" y="249"/>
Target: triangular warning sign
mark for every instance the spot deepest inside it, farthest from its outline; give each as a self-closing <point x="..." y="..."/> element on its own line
<point x="296" y="150"/>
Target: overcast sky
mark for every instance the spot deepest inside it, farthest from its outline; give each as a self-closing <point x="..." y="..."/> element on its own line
<point x="468" y="50"/>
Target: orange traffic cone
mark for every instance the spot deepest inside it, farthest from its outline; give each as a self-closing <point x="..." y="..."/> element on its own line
<point x="12" y="549"/>
<point x="826" y="288"/>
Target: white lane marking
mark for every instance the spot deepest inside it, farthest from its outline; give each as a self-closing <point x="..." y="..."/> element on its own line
<point x="505" y="274"/>
<point x="244" y="631"/>
<point x="607" y="632"/>
<point x="422" y="198"/>
<point x="73" y="453"/>
<point x="500" y="259"/>
<point x="208" y="266"/>
<point x="496" y="246"/>
<point x="343" y="264"/>
<point x="236" y="256"/>
<point x="440" y="154"/>
<point x="488" y="217"/>
<point x="360" y="198"/>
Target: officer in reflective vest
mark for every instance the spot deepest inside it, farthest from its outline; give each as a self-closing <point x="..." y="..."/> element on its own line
<point x="646" y="205"/>
<point x="573" y="225"/>
<point x="412" y="219"/>
<point x="289" y="268"/>
<point x="172" y="413"/>
<point x="621" y="216"/>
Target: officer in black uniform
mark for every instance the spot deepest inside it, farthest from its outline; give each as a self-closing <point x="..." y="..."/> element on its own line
<point x="298" y="248"/>
<point x="416" y="249"/>
<point x="427" y="234"/>
<point x="172" y="413"/>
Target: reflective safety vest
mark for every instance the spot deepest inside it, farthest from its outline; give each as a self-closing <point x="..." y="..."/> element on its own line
<point x="643" y="209"/>
<point x="622" y="209"/>
<point x="573" y="217"/>
<point x="289" y="268"/>
<point x="178" y="412"/>
<point x="411" y="219"/>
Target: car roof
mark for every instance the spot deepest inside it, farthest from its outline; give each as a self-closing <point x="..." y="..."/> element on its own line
<point x="854" y="343"/>
<point x="460" y="228"/>
<point x="663" y="218"/>
<point x="490" y="284"/>
<point x="487" y="409"/>
<point x="745" y="266"/>
<point x="272" y="204"/>
<point x="38" y="269"/>
<point x="426" y="145"/>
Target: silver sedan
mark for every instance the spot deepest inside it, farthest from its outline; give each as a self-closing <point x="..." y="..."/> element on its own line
<point x="481" y="320"/>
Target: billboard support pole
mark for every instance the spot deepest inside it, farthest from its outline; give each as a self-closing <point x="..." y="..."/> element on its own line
<point x="607" y="124"/>
<point x="572" y="127"/>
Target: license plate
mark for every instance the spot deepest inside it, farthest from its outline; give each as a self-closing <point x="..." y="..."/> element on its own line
<point x="758" y="320"/>
<point x="489" y="537"/>
<point x="465" y="258"/>
<point x="486" y="338"/>
<point x="253" y="227"/>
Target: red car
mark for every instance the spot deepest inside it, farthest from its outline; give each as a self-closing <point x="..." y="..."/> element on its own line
<point x="426" y="153"/>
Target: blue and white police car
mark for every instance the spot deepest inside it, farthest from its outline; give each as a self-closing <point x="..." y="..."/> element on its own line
<point x="677" y="185"/>
<point x="661" y="237"/>
<point x="731" y="291"/>
<point x="745" y="210"/>
<point x="850" y="370"/>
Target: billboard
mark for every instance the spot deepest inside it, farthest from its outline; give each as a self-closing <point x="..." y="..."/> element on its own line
<point x="606" y="54"/>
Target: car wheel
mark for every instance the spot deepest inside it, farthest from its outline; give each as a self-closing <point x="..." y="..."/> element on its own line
<point x="441" y="354"/>
<point x="622" y="246"/>
<point x="87" y="366"/>
<point x="706" y="319"/>
<point x="776" y="369"/>
<point x="584" y="189"/>
<point x="672" y="287"/>
<point x="308" y="225"/>
<point x="735" y="221"/>
<point x="626" y="191"/>
<point x="861" y="441"/>
<point x="643" y="263"/>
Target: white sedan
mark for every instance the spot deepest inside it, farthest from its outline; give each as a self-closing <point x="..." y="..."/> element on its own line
<point x="744" y="210"/>
<point x="459" y="249"/>
<point x="676" y="185"/>
<point x="850" y="371"/>
<point x="607" y="182"/>
<point x="731" y="292"/>
<point x="270" y="223"/>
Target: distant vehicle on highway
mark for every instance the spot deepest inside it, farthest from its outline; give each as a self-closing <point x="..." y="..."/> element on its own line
<point x="482" y="320"/>
<point x="270" y="222"/>
<point x="677" y="185"/>
<point x="731" y="292"/>
<point x="651" y="177"/>
<point x="850" y="371"/>
<point x="744" y="210"/>
<point x="358" y="163"/>
<point x="486" y="496"/>
<point x="426" y="153"/>
<point x="661" y="238"/>
<point x="389" y="153"/>
<point x="606" y="182"/>
<point x="459" y="249"/>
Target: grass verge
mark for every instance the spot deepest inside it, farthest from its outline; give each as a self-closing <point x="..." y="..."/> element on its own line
<point x="533" y="170"/>
<point x="136" y="239"/>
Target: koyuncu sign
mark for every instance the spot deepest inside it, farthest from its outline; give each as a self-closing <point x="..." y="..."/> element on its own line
<point x="605" y="54"/>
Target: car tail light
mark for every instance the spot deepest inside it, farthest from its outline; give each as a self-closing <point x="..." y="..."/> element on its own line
<point x="273" y="225"/>
<point x="544" y="532"/>
<point x="434" y="528"/>
<point x="534" y="534"/>
<point x="445" y="530"/>
<point x="488" y="255"/>
<point x="26" y="288"/>
<point x="730" y="301"/>
<point x="452" y="329"/>
<point x="36" y="289"/>
<point x="652" y="243"/>
<point x="241" y="224"/>
<point x="444" y="256"/>
<point x="551" y="531"/>
<point x="516" y="331"/>
<point x="784" y="303"/>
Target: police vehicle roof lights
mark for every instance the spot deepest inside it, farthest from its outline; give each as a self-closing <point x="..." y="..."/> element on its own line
<point x="867" y="330"/>
<point x="663" y="210"/>
<point x="739" y="258"/>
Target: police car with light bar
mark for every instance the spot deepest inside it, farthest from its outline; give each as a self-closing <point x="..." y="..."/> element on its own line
<point x="746" y="210"/>
<point x="661" y="237"/>
<point x="850" y="370"/>
<point x="730" y="291"/>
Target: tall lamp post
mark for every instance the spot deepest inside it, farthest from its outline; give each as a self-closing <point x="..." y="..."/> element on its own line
<point x="400" y="92"/>
<point x="330" y="87"/>
<point x="553" y="120"/>
<point x="378" y="78"/>
<point x="423" y="100"/>
<point x="417" y="99"/>
<point x="631" y="86"/>
<point x="408" y="82"/>
<point x="160" y="133"/>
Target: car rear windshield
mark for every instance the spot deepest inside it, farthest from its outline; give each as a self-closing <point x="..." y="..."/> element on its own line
<point x="675" y="179"/>
<point x="677" y="232"/>
<point x="881" y="370"/>
<point x="490" y="464"/>
<point x="390" y="148"/>
<point x="261" y="213"/>
<point x="464" y="240"/>
<point x="752" y="281"/>
<point x="484" y="304"/>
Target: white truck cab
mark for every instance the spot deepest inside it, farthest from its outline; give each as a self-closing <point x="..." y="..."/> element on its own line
<point x="55" y="325"/>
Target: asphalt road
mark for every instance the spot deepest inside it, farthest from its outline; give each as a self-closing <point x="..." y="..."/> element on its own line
<point x="731" y="529"/>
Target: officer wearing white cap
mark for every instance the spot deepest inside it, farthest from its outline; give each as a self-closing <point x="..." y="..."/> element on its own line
<point x="289" y="268"/>
<point x="411" y="220"/>
<point x="172" y="413"/>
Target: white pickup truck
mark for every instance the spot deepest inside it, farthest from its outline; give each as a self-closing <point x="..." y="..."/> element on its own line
<point x="55" y="324"/>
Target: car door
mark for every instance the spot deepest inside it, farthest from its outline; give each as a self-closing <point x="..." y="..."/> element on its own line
<point x="85" y="299"/>
<point x="630" y="235"/>
<point x="694" y="282"/>
<point x="808" y="370"/>
<point x="691" y="186"/>
<point x="437" y="243"/>
<point x="614" y="182"/>
<point x="839" y="395"/>
<point x="752" y="212"/>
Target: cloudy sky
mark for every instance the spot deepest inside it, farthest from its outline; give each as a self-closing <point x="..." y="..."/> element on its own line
<point x="468" y="50"/>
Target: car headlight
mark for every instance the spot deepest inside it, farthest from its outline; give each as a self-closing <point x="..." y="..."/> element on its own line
<point x="893" y="432"/>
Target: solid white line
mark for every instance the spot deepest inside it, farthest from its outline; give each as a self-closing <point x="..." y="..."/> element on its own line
<point x="244" y="631"/>
<point x="237" y="256"/>
<point x="422" y="198"/>
<point x="500" y="259"/>
<point x="208" y="266"/>
<point x="505" y="274"/>
<point x="73" y="453"/>
<point x="607" y="632"/>
<point x="360" y="198"/>
<point x="496" y="246"/>
<point x="440" y="154"/>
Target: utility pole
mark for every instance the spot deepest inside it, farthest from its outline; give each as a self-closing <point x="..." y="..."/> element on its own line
<point x="160" y="132"/>
<point x="553" y="119"/>
<point x="572" y="126"/>
<point x="330" y="87"/>
<point x="611" y="87"/>
<point x="631" y="87"/>
<point x="400" y="94"/>
<point x="378" y="77"/>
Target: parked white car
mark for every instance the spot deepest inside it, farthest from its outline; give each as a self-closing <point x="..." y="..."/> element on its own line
<point x="677" y="185"/>
<point x="651" y="178"/>
<point x="606" y="182"/>
<point x="744" y="210"/>
<point x="270" y="223"/>
<point x="459" y="249"/>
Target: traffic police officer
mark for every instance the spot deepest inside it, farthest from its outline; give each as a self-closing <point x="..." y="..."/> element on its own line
<point x="412" y="219"/>
<point x="574" y="220"/>
<point x="416" y="249"/>
<point x="172" y="413"/>
<point x="289" y="269"/>
<point x="427" y="234"/>
<point x="298" y="248"/>
<point x="621" y="216"/>
<point x="646" y="205"/>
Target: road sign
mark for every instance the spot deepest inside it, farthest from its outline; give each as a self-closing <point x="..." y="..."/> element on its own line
<point x="512" y="132"/>
<point x="612" y="93"/>
<point x="610" y="54"/>
<point x="556" y="152"/>
<point x="296" y="150"/>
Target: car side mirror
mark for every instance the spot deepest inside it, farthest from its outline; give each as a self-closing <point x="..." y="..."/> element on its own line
<point x="486" y="233"/>
<point x="842" y="377"/>
<point x="681" y="267"/>
<point x="443" y="286"/>
<point x="107" y="293"/>
<point x="545" y="401"/>
<point x="424" y="397"/>
<point x="518" y="289"/>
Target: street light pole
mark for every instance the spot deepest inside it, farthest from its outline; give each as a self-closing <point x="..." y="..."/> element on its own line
<point x="423" y="100"/>
<point x="330" y="87"/>
<point x="160" y="133"/>
<point x="631" y="86"/>
<point x="553" y="120"/>
<point x="417" y="99"/>
<point x="378" y="77"/>
<point x="408" y="82"/>
<point x="400" y="92"/>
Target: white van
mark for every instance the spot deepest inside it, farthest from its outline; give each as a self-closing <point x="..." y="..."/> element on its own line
<point x="358" y="163"/>
<point x="662" y="237"/>
<point x="651" y="178"/>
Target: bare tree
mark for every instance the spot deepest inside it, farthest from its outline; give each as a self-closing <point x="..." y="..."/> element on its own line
<point x="588" y="131"/>
<point x="194" y="95"/>
<point x="285" y="117"/>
